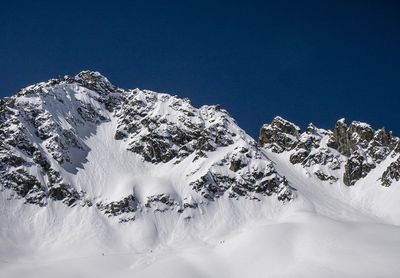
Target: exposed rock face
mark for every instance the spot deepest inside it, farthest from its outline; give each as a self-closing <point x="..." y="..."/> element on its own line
<point x="347" y="139"/>
<point x="280" y="135"/>
<point x="397" y="147"/>
<point x="355" y="148"/>
<point x="357" y="166"/>
<point x="392" y="173"/>
<point x="381" y="145"/>
<point x="45" y="127"/>
<point x="340" y="139"/>
<point x="364" y="147"/>
<point x="359" y="135"/>
<point x="324" y="177"/>
<point x="126" y="205"/>
<point x="175" y="134"/>
<point x="251" y="175"/>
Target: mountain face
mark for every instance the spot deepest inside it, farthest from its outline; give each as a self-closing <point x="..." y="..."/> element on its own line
<point x="56" y="135"/>
<point x="99" y="181"/>
<point x="45" y="129"/>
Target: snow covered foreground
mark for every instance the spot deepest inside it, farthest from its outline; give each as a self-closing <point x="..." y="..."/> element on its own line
<point x="173" y="225"/>
<point x="298" y="243"/>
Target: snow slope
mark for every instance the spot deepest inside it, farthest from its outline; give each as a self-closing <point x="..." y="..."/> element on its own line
<point x="298" y="243"/>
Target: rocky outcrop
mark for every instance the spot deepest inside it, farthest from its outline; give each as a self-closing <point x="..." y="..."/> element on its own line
<point x="356" y="167"/>
<point x="177" y="133"/>
<point x="355" y="148"/>
<point x="24" y="186"/>
<point x="340" y="140"/>
<point x="128" y="204"/>
<point x="250" y="175"/>
<point x="392" y="173"/>
<point x="325" y="177"/>
<point x="382" y="144"/>
<point x="279" y="136"/>
<point x="348" y="139"/>
<point x="363" y="146"/>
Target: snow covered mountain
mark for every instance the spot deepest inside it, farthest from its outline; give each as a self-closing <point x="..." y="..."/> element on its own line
<point x="98" y="181"/>
<point x="71" y="139"/>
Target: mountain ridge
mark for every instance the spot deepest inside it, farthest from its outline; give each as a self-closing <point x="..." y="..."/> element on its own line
<point x="162" y="128"/>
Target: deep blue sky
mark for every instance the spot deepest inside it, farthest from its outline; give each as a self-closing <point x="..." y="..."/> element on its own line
<point x="308" y="61"/>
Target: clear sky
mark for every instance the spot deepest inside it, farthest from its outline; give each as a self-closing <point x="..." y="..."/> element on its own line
<point x="307" y="61"/>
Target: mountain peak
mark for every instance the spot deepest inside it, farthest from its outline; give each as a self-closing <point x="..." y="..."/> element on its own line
<point x="280" y="122"/>
<point x="280" y="134"/>
<point x="92" y="76"/>
<point x="95" y="81"/>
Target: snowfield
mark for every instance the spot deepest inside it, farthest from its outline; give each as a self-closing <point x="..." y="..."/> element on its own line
<point x="297" y="242"/>
<point x="303" y="227"/>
